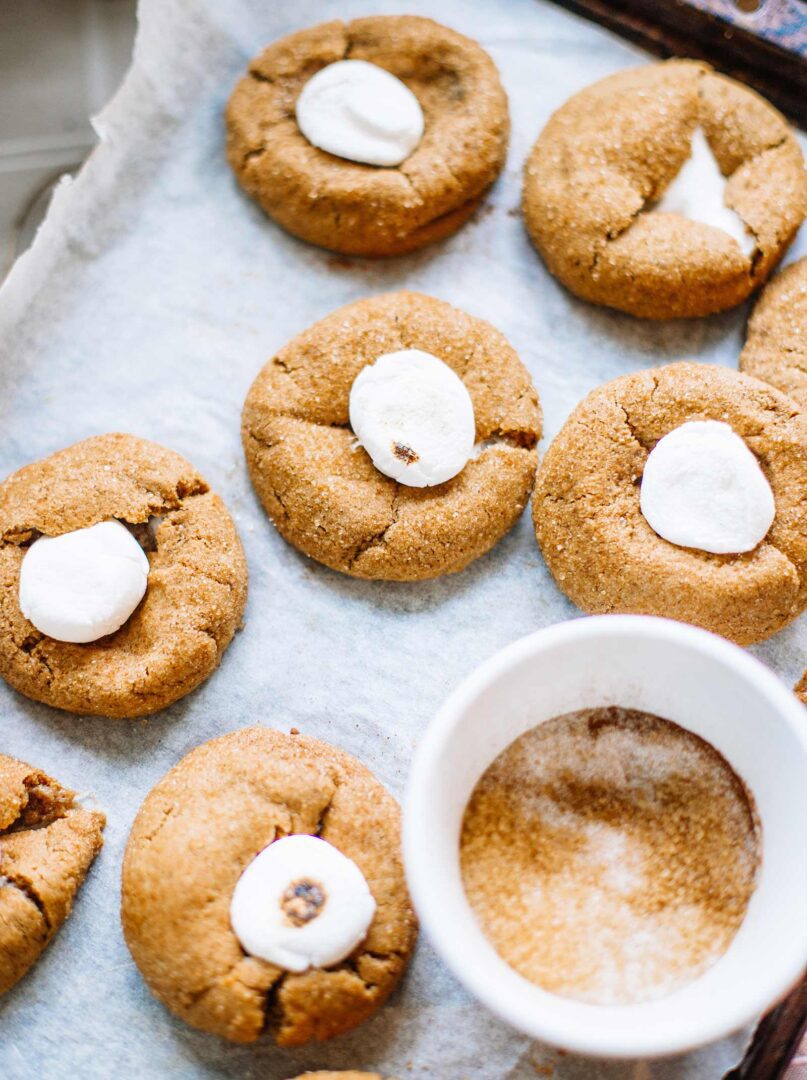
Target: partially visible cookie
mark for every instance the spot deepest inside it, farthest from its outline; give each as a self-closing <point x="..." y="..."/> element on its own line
<point x="776" y="348"/>
<point x="195" y="834"/>
<point x="602" y="551"/>
<point x="611" y="151"/>
<point x="361" y="209"/>
<point x="323" y="492"/>
<point x="196" y="585"/>
<point x="47" y="845"/>
<point x="801" y="688"/>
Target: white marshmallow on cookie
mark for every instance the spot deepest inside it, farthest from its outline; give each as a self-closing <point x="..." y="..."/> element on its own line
<point x="361" y="112"/>
<point x="84" y="584"/>
<point x="301" y="904"/>
<point x="414" y="417"/>
<point x="698" y="192"/>
<point x="703" y="488"/>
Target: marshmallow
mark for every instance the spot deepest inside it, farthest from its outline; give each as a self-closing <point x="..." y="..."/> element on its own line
<point x="414" y="417"/>
<point x="698" y="192"/>
<point x="361" y="112"/>
<point x="703" y="488"/>
<point x="300" y="904"/>
<point x="85" y="584"/>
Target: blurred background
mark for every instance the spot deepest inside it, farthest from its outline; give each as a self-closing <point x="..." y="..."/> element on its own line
<point x="60" y="61"/>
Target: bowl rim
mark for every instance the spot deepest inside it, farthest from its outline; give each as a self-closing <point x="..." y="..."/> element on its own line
<point x="462" y="958"/>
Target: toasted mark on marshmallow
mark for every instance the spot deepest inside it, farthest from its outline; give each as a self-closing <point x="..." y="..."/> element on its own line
<point x="359" y="111"/>
<point x="300" y="904"/>
<point x="703" y="488"/>
<point x="698" y="192"/>
<point x="414" y="417"/>
<point x="85" y="584"/>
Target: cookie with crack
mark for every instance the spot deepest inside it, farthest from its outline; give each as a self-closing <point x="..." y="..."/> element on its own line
<point x="328" y="496"/>
<point x="727" y="547"/>
<point x="448" y="143"/>
<point x="776" y="348"/>
<point x="224" y="933"/>
<point x="665" y="191"/>
<point x="122" y="578"/>
<point x="47" y="845"/>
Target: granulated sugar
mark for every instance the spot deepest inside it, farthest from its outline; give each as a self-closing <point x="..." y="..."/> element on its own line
<point x="609" y="855"/>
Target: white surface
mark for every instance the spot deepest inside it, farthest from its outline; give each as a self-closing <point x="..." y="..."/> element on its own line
<point x="412" y="402"/>
<point x="698" y="192"/>
<point x="361" y="112"/>
<point x="703" y="488"/>
<point x="260" y="922"/>
<point x="160" y="286"/>
<point x="683" y="674"/>
<point x="84" y="584"/>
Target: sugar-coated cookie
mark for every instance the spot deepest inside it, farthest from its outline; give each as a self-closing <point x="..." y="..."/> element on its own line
<point x="776" y="348"/>
<point x="603" y="552"/>
<point x="47" y="845"/>
<point x="365" y="209"/>
<point x="323" y="492"/>
<point x="613" y="150"/>
<point x="197" y="578"/>
<point x="193" y="838"/>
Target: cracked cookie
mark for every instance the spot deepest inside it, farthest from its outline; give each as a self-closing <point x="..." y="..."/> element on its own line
<point x="801" y="688"/>
<point x="602" y="551"/>
<point x="363" y="209"/>
<point x="193" y="838"/>
<point x="323" y="492"/>
<point x="197" y="577"/>
<point x="47" y="845"/>
<point x="616" y="148"/>
<point x="776" y="348"/>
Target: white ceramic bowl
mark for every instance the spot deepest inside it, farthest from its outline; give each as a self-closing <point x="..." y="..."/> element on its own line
<point x="691" y="677"/>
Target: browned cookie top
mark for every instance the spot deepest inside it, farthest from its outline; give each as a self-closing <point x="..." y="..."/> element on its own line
<point x="598" y="544"/>
<point x="196" y="587"/>
<point x="323" y="492"/>
<point x="47" y="844"/>
<point x="612" y="149"/>
<point x="801" y="688"/>
<point x="366" y="209"/>
<point x="350" y="1075"/>
<point x="776" y="349"/>
<point x="195" y="834"/>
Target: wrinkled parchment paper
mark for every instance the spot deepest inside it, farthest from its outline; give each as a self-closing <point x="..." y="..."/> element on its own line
<point x="150" y="299"/>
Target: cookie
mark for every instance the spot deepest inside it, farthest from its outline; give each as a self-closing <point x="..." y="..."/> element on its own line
<point x="196" y="585"/>
<point x="776" y="348"/>
<point x="47" y="845"/>
<point x="801" y="688"/>
<point x="324" y="494"/>
<point x="360" y="209"/>
<point x="612" y="150"/>
<point x="193" y="837"/>
<point x="600" y="548"/>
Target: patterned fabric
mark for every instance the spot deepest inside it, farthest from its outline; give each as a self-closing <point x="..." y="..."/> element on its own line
<point x="782" y="22"/>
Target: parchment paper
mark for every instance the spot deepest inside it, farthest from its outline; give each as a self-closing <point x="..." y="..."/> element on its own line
<point x="150" y="299"/>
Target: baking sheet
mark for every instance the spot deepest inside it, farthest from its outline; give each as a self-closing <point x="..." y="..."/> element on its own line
<point x="152" y="296"/>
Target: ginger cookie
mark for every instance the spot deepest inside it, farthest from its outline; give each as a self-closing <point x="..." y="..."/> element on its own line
<point x="188" y="561"/>
<point x="718" y="462"/>
<point x="801" y="688"/>
<point x="47" y="845"/>
<point x="324" y="493"/>
<point x="353" y="206"/>
<point x="665" y="191"/>
<point x="199" y="882"/>
<point x="776" y="348"/>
